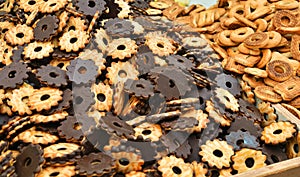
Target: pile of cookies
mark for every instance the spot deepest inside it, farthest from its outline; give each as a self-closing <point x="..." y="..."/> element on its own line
<point x="258" y="40"/>
<point x="117" y="88"/>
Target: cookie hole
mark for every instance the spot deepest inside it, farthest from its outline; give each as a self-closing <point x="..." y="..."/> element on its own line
<point x="78" y="100"/>
<point x="77" y="126"/>
<point x="4" y="30"/>
<point x="279" y="69"/>
<point x="218" y="153"/>
<point x="276" y="132"/>
<point x="240" y="142"/>
<point x="160" y="45"/>
<point x="122" y="74"/>
<point x="226" y="98"/>
<point x="215" y="173"/>
<point x="296" y="148"/>
<point x="228" y="84"/>
<point x="45" y="97"/>
<point x="176" y="170"/>
<point x="173" y="10"/>
<point x="92" y="4"/>
<point x="24" y="98"/>
<point x="44" y="27"/>
<point x="12" y="74"/>
<point x="31" y="3"/>
<point x="61" y="65"/>
<point x="53" y="75"/>
<point x="6" y="50"/>
<point x="101" y="97"/>
<point x="39" y="136"/>
<point x="180" y="61"/>
<point x="117" y="124"/>
<point x="82" y="70"/>
<point x="201" y="100"/>
<point x="249" y="162"/>
<point x="53" y="4"/>
<point x="266" y="117"/>
<point x="20" y="35"/>
<point x="274" y="158"/>
<point x="171" y="83"/>
<point x="124" y="161"/>
<point x="27" y="161"/>
<point x="291" y="87"/>
<point x="285" y="20"/>
<point x="105" y="41"/>
<point x="73" y="40"/>
<point x="240" y="12"/>
<point x="96" y="162"/>
<point x="121" y="47"/>
<point x="72" y="28"/>
<point x="38" y="49"/>
<point x="62" y="149"/>
<point x="54" y="174"/>
<point x="146" y="132"/>
<point x="140" y="86"/>
<point x="255" y="38"/>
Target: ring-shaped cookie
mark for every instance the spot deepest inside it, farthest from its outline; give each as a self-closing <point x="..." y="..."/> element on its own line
<point x="257" y="40"/>
<point x="240" y="34"/>
<point x="267" y="93"/>
<point x="224" y="38"/>
<point x="279" y="70"/>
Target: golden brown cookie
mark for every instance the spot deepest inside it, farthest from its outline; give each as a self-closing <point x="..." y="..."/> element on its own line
<point x="174" y="167"/>
<point x="60" y="150"/>
<point x="289" y="89"/>
<point x="44" y="98"/>
<point x="38" y="50"/>
<point x="103" y="97"/>
<point x="122" y="48"/>
<point x="266" y="109"/>
<point x="278" y="132"/>
<point x="279" y="70"/>
<point x="120" y="72"/>
<point x="19" y="98"/>
<point x="148" y="131"/>
<point x="73" y="40"/>
<point x="248" y="159"/>
<point x="160" y="44"/>
<point x="292" y="150"/>
<point x="217" y="153"/>
<point x="199" y="170"/>
<point x="127" y="161"/>
<point x="267" y="93"/>
<point x="35" y="137"/>
<point x="62" y="171"/>
<point x="19" y="35"/>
